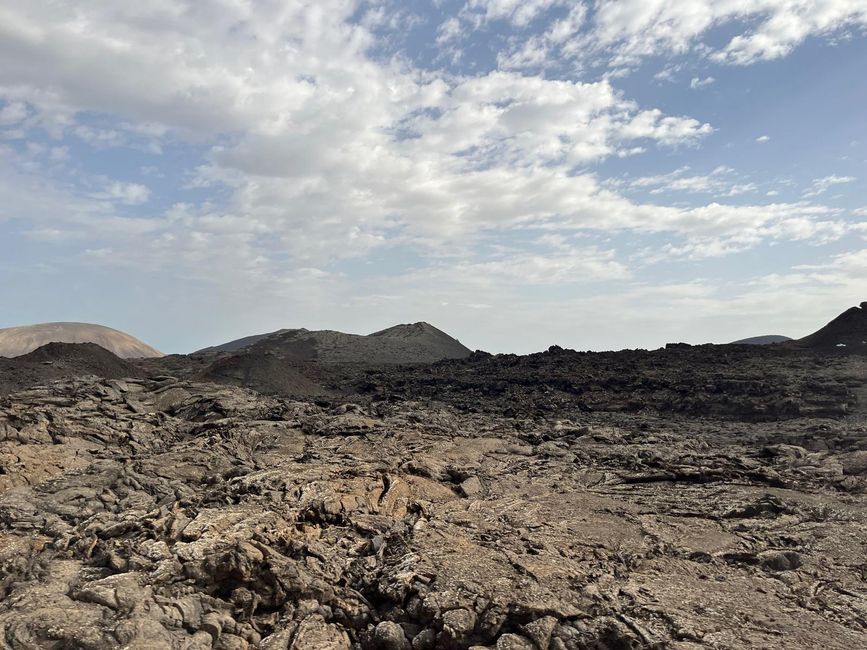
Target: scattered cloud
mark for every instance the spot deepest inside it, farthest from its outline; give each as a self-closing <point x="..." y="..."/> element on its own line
<point x="517" y="12"/>
<point x="822" y="185"/>
<point x="763" y="138"/>
<point x="697" y="83"/>
<point x="124" y="193"/>
<point x="624" y="32"/>
<point x="13" y="113"/>
<point x="301" y="150"/>
<point x="720" y="182"/>
<point x="449" y="31"/>
<point x="565" y="266"/>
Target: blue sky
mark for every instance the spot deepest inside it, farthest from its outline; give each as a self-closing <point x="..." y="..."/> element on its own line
<point x="599" y="175"/>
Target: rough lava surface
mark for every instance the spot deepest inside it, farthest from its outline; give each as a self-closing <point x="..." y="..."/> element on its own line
<point x="705" y="497"/>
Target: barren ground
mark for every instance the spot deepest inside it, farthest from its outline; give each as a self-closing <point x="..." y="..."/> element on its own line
<point x="695" y="498"/>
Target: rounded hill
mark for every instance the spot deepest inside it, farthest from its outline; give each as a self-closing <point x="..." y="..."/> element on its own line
<point x="17" y="341"/>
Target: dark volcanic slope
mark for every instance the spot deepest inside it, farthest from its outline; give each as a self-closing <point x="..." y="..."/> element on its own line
<point x="762" y="340"/>
<point x="434" y="341"/>
<point x="846" y="332"/>
<point x="15" y="341"/>
<point x="62" y="361"/>
<point x="240" y="344"/>
<point x="298" y="361"/>
<point x="267" y="372"/>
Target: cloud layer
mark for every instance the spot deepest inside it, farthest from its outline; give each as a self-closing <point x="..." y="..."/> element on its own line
<point x="292" y="144"/>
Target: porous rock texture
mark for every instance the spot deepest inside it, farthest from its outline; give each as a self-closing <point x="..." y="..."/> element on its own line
<point x="492" y="502"/>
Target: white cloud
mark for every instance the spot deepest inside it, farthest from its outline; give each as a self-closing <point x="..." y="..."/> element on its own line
<point x="101" y="138"/>
<point x="669" y="72"/>
<point x="125" y="193"/>
<point x="333" y="154"/>
<point x="321" y="152"/>
<point x="697" y="83"/>
<point x="622" y="32"/>
<point x="13" y="113"/>
<point x="517" y="12"/>
<point x="720" y="182"/>
<point x="642" y="27"/>
<point x="733" y="229"/>
<point x="561" y="266"/>
<point x="788" y="24"/>
<point x="763" y="138"/>
<point x="449" y="30"/>
<point x="822" y="185"/>
<point x="535" y="51"/>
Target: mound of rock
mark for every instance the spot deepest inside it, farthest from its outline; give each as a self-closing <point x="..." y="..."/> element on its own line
<point x="435" y="343"/>
<point x="299" y="362"/>
<point x="403" y="344"/>
<point x="62" y="361"/>
<point x="846" y="333"/>
<point x="268" y="372"/>
<point x="411" y="343"/>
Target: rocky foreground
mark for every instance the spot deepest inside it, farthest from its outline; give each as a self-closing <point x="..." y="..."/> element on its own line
<point x="452" y="506"/>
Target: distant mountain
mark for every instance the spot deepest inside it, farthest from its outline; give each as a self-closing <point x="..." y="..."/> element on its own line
<point x="762" y="340"/>
<point x="287" y="362"/>
<point x="409" y="343"/>
<point x="846" y="332"/>
<point x="16" y="341"/>
<point x="240" y="344"/>
<point x="436" y="342"/>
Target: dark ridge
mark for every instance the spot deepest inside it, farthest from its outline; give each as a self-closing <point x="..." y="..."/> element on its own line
<point x="846" y="333"/>
<point x="245" y="342"/>
<point x="433" y="339"/>
<point x="294" y="362"/>
<point x="768" y="339"/>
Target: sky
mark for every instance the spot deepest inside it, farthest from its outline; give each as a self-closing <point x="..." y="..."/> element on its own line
<point x="520" y="173"/>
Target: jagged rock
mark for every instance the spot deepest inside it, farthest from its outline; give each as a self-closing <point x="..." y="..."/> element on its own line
<point x="389" y="636"/>
<point x="540" y="631"/>
<point x="458" y="624"/>
<point x="514" y="642"/>
<point x="315" y="634"/>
